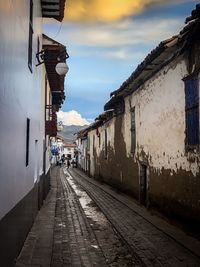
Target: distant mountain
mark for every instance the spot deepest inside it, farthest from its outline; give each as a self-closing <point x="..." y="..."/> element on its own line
<point x="68" y="132"/>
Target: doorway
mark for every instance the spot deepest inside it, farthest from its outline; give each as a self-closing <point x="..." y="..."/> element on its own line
<point x="36" y="169"/>
<point x="143" y="194"/>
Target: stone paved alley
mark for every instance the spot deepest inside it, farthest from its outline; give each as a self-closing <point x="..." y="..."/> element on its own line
<point x="86" y="223"/>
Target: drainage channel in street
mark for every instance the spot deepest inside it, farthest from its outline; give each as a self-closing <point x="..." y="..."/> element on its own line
<point x="114" y="249"/>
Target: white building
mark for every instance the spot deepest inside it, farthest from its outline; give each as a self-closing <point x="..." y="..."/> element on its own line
<point x="83" y="146"/>
<point x="27" y="116"/>
<point x="69" y="150"/>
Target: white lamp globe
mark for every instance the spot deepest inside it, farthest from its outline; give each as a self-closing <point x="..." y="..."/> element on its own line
<point x="62" y="68"/>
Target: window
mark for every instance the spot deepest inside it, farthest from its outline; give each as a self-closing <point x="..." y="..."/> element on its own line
<point x="192" y="112"/>
<point x="106" y="145"/>
<point x="93" y="144"/>
<point x="30" y="40"/>
<point x="38" y="44"/>
<point x="99" y="139"/>
<point x="27" y="140"/>
<point x="88" y="143"/>
<point x="133" y="131"/>
<point x="143" y="185"/>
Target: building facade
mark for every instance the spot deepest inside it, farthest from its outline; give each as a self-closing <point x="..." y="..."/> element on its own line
<point x="26" y="95"/>
<point x="83" y="148"/>
<point x="146" y="142"/>
<point x="69" y="150"/>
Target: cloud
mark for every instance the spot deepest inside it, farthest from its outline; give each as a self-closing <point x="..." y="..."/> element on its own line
<point x="128" y="32"/>
<point x="106" y="11"/>
<point x="71" y="118"/>
<point x="123" y="40"/>
<point x="98" y="10"/>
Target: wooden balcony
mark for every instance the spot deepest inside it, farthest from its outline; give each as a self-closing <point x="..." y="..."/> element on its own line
<point x="51" y="120"/>
<point x="51" y="128"/>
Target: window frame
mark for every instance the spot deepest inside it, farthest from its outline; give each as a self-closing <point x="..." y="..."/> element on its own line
<point x="99" y="139"/>
<point x="27" y="140"/>
<point x="192" y="110"/>
<point x="30" y="38"/>
<point x="93" y="144"/>
<point x="133" y="130"/>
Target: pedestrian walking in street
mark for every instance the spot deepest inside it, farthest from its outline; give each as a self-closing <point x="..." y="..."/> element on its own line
<point x="68" y="163"/>
<point x="73" y="163"/>
<point x="60" y="162"/>
<point x="63" y="158"/>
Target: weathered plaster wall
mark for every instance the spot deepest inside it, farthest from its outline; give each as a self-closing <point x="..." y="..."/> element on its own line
<point x="174" y="176"/>
<point x="160" y="121"/>
<point x="116" y="169"/>
<point x="98" y="158"/>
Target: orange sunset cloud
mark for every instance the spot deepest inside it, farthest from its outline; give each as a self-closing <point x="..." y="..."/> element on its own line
<point x="103" y="10"/>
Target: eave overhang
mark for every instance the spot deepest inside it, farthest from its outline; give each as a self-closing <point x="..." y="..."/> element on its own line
<point x="53" y="52"/>
<point x="162" y="55"/>
<point x="53" y="9"/>
<point x="83" y="133"/>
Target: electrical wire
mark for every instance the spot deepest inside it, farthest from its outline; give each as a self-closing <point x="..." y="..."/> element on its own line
<point x="58" y="32"/>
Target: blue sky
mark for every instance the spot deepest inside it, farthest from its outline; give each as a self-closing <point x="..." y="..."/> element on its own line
<point x="104" y="54"/>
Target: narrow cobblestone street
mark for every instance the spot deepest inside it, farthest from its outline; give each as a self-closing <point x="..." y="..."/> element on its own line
<point x="85" y="223"/>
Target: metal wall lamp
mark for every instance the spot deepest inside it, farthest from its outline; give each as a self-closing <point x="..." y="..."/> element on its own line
<point x="45" y="56"/>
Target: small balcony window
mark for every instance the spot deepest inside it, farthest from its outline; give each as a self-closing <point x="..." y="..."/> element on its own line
<point x="30" y="40"/>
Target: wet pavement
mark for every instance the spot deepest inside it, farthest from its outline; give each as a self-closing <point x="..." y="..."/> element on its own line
<point x="114" y="250"/>
<point x="85" y="223"/>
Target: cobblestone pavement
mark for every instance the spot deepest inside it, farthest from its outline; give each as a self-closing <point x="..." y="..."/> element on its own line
<point x="74" y="241"/>
<point x="152" y="246"/>
<point x="103" y="238"/>
<point x="83" y="224"/>
<point x="68" y="233"/>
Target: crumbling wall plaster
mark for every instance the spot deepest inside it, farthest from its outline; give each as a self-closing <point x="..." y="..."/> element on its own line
<point x="97" y="143"/>
<point x="160" y="121"/>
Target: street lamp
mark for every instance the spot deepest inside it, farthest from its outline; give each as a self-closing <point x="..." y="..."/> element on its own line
<point x="61" y="68"/>
<point x="49" y="57"/>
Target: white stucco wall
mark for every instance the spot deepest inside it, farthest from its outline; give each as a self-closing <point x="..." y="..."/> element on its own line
<point x="69" y="150"/>
<point x="20" y="98"/>
<point x="92" y="142"/>
<point x="160" y="120"/>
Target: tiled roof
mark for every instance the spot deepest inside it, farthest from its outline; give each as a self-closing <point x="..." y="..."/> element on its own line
<point x="92" y="126"/>
<point x="194" y="15"/>
<point x="104" y="116"/>
<point x="165" y="52"/>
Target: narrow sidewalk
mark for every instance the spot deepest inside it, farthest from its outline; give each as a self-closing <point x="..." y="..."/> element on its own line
<point x="37" y="249"/>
